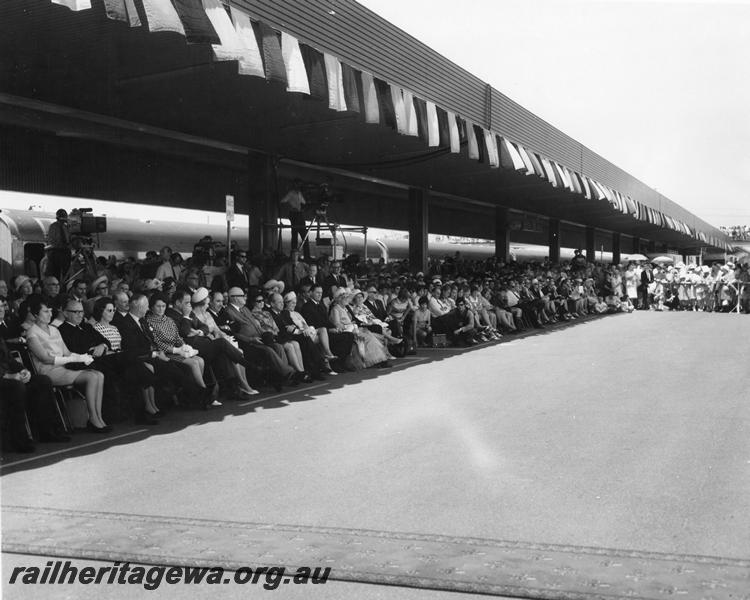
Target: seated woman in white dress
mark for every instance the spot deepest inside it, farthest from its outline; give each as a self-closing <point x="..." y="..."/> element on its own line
<point x="199" y="302"/>
<point x="369" y="350"/>
<point x="318" y="336"/>
<point x="364" y="317"/>
<point x="50" y="355"/>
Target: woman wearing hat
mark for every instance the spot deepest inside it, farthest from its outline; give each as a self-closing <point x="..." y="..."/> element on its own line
<point x="99" y="288"/>
<point x="368" y="350"/>
<point x="267" y="325"/>
<point x="220" y="347"/>
<point x="167" y="339"/>
<point x="312" y="356"/>
<point x="22" y="288"/>
<point x="365" y="319"/>
<point x="297" y="321"/>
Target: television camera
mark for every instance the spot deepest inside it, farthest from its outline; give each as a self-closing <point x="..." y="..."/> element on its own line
<point x="318" y="197"/>
<point x="83" y="223"/>
<point x="206" y="251"/>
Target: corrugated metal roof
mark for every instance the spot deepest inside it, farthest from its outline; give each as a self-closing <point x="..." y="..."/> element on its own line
<point x="367" y="41"/>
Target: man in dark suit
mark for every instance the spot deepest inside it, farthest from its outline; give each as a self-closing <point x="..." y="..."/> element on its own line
<point x="122" y="307"/>
<point x="292" y="272"/>
<point x="312" y="356"/>
<point x="236" y="276"/>
<point x="534" y="301"/>
<point x="647" y="278"/>
<point x="313" y="277"/>
<point x="138" y="342"/>
<point x="10" y="328"/>
<point x="79" y="336"/>
<point x="218" y="312"/>
<point x="375" y="304"/>
<point x="316" y="315"/>
<point x="23" y="393"/>
<point x="250" y="337"/>
<point x="335" y="280"/>
<point x="82" y="338"/>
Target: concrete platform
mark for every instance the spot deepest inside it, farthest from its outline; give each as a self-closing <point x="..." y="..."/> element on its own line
<point x="627" y="434"/>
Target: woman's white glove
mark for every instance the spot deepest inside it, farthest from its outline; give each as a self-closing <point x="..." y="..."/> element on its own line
<point x="187" y="351"/>
<point x="86" y="359"/>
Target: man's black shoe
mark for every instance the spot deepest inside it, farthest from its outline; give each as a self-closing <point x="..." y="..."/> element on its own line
<point x="24" y="447"/>
<point x="53" y="436"/>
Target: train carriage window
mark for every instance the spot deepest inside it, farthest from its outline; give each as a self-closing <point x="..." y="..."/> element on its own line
<point x="33" y="253"/>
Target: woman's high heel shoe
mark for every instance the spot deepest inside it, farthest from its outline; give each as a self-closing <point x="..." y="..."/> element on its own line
<point x="94" y="429"/>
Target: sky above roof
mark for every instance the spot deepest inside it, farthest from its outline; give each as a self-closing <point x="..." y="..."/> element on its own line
<point x="660" y="89"/>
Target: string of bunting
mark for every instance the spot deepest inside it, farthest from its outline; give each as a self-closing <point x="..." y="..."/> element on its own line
<point x="261" y="51"/>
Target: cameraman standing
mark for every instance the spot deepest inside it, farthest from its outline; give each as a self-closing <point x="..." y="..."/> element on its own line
<point x="58" y="250"/>
<point x="295" y="201"/>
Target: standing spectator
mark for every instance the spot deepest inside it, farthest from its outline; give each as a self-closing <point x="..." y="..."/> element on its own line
<point x="647" y="279"/>
<point x="313" y="277"/>
<point x="236" y="275"/>
<point x="58" y="251"/>
<point x="166" y="268"/>
<point x="293" y="272"/>
<point x="295" y="202"/>
<point x="335" y="280"/>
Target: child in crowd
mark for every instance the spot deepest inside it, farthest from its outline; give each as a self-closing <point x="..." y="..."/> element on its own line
<point x="600" y="306"/>
<point x="422" y="322"/>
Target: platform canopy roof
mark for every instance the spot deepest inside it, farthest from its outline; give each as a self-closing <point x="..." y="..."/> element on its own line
<point x="331" y="89"/>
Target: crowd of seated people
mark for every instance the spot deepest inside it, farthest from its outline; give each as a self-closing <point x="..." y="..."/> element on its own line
<point x="138" y="337"/>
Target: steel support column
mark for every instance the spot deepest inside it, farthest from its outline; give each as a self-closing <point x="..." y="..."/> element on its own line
<point x="554" y="241"/>
<point x="590" y="244"/>
<point x="616" y="258"/>
<point x="418" y="227"/>
<point x="636" y="249"/>
<point x="502" y="234"/>
<point x="262" y="203"/>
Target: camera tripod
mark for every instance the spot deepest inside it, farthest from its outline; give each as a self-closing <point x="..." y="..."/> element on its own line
<point x="82" y="263"/>
<point x="321" y="216"/>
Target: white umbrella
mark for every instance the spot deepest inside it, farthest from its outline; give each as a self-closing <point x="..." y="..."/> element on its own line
<point x="662" y="260"/>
